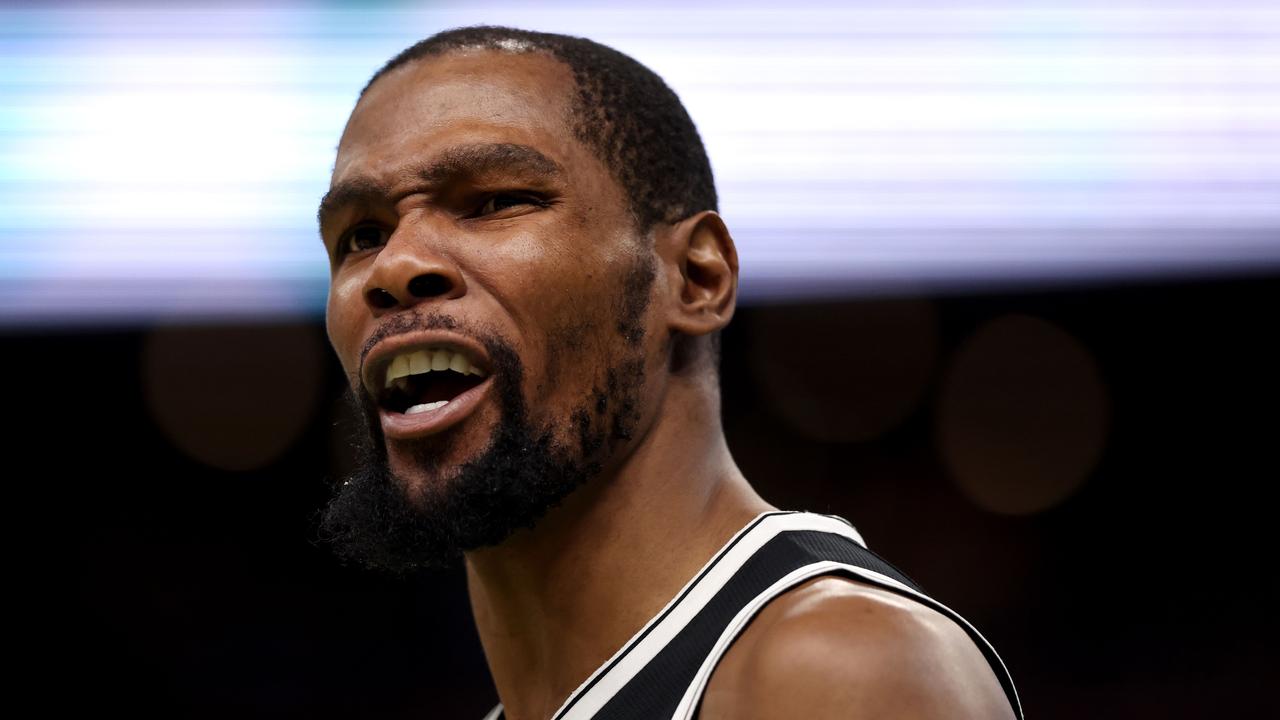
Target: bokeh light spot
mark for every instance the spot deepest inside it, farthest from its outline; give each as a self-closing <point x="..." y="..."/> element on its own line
<point x="233" y="397"/>
<point x="846" y="372"/>
<point x="1022" y="416"/>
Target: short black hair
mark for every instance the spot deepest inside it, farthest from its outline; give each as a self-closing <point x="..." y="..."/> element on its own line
<point x="622" y="110"/>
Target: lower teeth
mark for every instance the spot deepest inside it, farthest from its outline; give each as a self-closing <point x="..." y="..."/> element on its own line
<point x="424" y="407"/>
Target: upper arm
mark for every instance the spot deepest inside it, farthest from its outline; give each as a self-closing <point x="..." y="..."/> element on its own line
<point x="840" y="649"/>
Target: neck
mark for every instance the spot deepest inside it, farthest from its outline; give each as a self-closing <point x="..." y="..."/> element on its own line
<point x="554" y="603"/>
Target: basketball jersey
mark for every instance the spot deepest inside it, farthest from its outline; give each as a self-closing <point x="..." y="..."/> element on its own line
<point x="663" y="670"/>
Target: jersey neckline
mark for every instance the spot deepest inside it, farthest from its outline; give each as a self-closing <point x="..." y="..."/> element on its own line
<point x="663" y="619"/>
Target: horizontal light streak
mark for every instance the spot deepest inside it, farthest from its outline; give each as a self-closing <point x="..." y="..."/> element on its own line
<point x="856" y="147"/>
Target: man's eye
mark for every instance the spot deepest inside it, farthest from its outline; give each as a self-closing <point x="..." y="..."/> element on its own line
<point x="362" y="238"/>
<point x="503" y="201"/>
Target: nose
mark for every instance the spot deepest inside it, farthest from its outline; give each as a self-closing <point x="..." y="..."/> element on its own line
<point x="410" y="269"/>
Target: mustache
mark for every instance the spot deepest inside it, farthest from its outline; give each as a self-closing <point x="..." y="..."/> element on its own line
<point x="411" y="321"/>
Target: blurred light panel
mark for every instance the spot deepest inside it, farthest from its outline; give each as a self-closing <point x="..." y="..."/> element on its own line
<point x="160" y="161"/>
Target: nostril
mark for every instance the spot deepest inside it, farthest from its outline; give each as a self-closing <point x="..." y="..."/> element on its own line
<point x="429" y="285"/>
<point x="426" y="285"/>
<point x="381" y="298"/>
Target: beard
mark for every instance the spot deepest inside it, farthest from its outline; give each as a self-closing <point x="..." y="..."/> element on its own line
<point x="524" y="470"/>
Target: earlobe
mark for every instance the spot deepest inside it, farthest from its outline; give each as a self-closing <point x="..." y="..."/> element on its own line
<point x="705" y="274"/>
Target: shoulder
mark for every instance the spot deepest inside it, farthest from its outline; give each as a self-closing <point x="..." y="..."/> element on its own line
<point x="837" y="648"/>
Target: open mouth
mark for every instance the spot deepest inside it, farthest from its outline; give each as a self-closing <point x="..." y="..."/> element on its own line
<point x="428" y="379"/>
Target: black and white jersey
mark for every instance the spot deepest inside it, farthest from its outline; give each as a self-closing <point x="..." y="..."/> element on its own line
<point x="662" y="671"/>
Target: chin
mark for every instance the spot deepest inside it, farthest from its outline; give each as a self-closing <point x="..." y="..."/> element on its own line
<point x="425" y="464"/>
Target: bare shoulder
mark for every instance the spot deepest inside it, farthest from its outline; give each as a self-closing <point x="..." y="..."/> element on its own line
<point x="837" y="648"/>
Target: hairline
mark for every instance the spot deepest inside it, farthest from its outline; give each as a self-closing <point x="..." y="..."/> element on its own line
<point x="574" y="117"/>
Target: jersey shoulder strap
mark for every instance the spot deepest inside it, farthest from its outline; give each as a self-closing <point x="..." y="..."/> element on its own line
<point x="662" y="672"/>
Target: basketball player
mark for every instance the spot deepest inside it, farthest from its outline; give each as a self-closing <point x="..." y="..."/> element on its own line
<point x="529" y="276"/>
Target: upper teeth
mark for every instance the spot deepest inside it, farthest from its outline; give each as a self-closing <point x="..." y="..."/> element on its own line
<point x="425" y="361"/>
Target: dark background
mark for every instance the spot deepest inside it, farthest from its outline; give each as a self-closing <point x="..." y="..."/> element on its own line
<point x="1132" y="576"/>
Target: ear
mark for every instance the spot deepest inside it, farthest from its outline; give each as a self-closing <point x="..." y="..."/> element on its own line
<point x="702" y="273"/>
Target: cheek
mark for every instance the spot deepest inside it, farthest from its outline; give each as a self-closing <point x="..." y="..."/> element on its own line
<point x="586" y="337"/>
<point x="341" y="321"/>
<point x="546" y="280"/>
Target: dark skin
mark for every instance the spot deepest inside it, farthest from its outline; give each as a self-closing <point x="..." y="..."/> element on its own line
<point x="435" y="166"/>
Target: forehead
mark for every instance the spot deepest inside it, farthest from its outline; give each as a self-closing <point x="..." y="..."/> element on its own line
<point x="460" y="98"/>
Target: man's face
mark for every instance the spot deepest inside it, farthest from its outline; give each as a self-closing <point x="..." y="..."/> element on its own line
<point x="467" y="226"/>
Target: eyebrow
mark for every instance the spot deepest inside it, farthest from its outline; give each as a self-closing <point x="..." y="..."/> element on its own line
<point x="453" y="163"/>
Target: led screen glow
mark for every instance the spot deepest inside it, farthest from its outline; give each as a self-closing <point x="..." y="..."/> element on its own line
<point x="159" y="162"/>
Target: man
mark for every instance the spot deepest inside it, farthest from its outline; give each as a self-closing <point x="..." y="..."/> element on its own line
<point x="528" y="280"/>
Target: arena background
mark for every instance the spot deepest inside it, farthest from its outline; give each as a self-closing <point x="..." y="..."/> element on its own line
<point x="1010" y="279"/>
